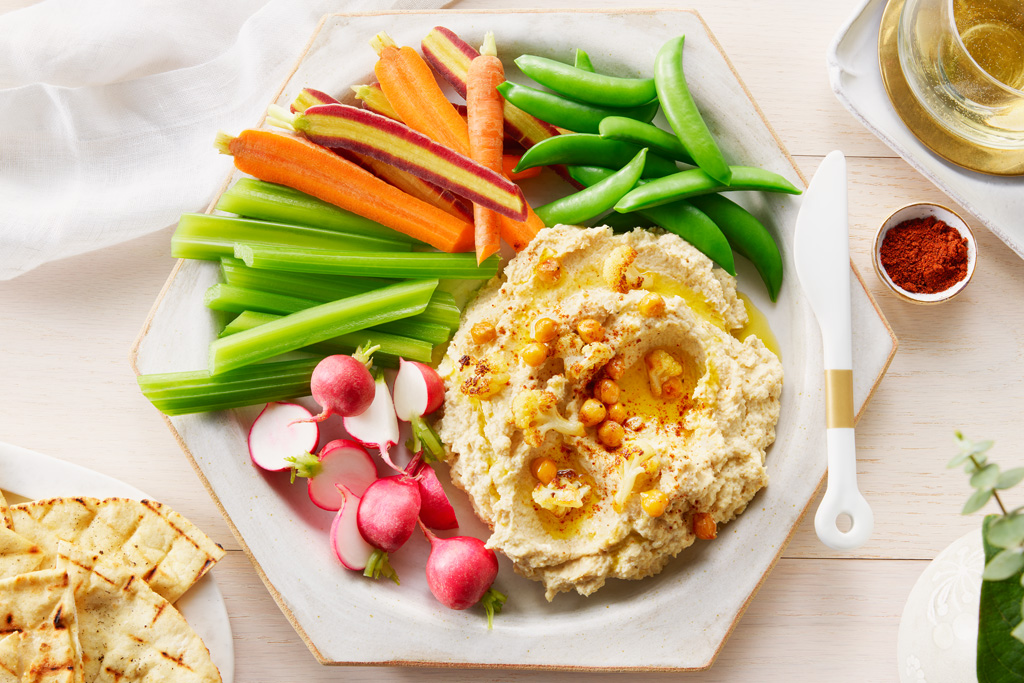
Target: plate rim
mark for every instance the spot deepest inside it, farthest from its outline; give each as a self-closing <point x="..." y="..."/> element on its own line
<point x="275" y="594"/>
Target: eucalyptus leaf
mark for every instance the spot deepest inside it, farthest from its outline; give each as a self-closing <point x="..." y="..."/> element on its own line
<point x="980" y="447"/>
<point x="958" y="459"/>
<point x="977" y="501"/>
<point x="1010" y="478"/>
<point x="1000" y="653"/>
<point x="1004" y="565"/>
<point x="1007" y="532"/>
<point x="986" y="477"/>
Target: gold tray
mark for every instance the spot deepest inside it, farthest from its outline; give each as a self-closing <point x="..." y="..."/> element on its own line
<point x="952" y="148"/>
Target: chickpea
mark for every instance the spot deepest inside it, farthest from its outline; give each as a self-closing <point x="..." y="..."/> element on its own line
<point x="483" y="332"/>
<point x="635" y="423"/>
<point x="545" y="330"/>
<point x="544" y="469"/>
<point x="654" y="502"/>
<point x="590" y="331"/>
<point x="615" y="368"/>
<point x="611" y="434"/>
<point x="672" y="389"/>
<point x="592" y="412"/>
<point x="606" y="391"/>
<point x="534" y="354"/>
<point x="652" y="305"/>
<point x="704" y="526"/>
<point x="617" y="413"/>
<point x="549" y="271"/>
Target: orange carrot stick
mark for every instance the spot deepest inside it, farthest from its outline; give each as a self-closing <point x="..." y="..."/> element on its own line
<point x="298" y="163"/>
<point x="411" y="89"/>
<point x="509" y="163"/>
<point x="486" y="135"/>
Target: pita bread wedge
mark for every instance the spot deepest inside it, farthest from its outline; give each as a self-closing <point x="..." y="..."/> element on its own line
<point x="5" y="513"/>
<point x="159" y="546"/>
<point x="128" y="632"/>
<point x="39" y="609"/>
<point x="18" y="555"/>
<point x="10" y="668"/>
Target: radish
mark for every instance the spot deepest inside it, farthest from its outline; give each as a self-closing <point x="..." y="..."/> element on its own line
<point x="419" y="391"/>
<point x="378" y="425"/>
<point x="340" y="462"/>
<point x="436" y="512"/>
<point x="386" y="518"/>
<point x="275" y="437"/>
<point x="343" y="385"/>
<point x="460" y="572"/>
<point x="348" y="544"/>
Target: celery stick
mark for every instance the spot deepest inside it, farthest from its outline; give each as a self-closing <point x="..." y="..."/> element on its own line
<point x="441" y="310"/>
<point x="270" y="202"/>
<point x="392" y="346"/>
<point x="204" y="236"/>
<point x="320" y="323"/>
<point x="234" y="299"/>
<point x="179" y="393"/>
<point x="370" y="264"/>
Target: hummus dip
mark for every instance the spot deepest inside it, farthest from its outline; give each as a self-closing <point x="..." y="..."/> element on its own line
<point x="599" y="411"/>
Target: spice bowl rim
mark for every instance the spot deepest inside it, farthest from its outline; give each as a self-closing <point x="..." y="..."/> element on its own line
<point x="960" y="225"/>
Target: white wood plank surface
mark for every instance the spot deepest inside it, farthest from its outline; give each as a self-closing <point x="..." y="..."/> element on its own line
<point x="66" y="389"/>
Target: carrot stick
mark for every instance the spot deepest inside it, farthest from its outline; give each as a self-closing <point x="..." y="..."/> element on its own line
<point x="298" y="163"/>
<point x="509" y="163"/>
<point x="519" y="233"/>
<point x="411" y="89"/>
<point x="486" y="135"/>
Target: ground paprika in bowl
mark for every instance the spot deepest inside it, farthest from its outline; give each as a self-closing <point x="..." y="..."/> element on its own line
<point x="925" y="253"/>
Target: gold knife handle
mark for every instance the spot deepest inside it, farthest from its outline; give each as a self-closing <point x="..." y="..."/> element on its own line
<point x="839" y="399"/>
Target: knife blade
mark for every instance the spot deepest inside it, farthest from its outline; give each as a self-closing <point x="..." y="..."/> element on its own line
<point x="821" y="253"/>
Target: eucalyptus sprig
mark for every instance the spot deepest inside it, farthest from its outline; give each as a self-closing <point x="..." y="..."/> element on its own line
<point x="1003" y="533"/>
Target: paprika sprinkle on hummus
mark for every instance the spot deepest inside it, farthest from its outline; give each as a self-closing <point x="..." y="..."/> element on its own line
<point x="924" y="255"/>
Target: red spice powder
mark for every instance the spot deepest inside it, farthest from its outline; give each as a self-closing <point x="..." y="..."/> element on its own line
<point x="924" y="255"/>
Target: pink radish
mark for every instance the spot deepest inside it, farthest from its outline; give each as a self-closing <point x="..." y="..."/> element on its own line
<point x="349" y="545"/>
<point x="460" y="572"/>
<point x="387" y="517"/>
<point x="436" y="512"/>
<point x="340" y="462"/>
<point x="280" y="432"/>
<point x="377" y="426"/>
<point x="343" y="385"/>
<point x="419" y="390"/>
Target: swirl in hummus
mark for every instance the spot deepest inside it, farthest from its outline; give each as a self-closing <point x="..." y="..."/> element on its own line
<point x="598" y="407"/>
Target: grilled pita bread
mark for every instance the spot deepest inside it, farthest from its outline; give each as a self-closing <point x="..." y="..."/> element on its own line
<point x="128" y="632"/>
<point x="157" y="544"/>
<point x="18" y="555"/>
<point x="5" y="513"/>
<point x="38" y="617"/>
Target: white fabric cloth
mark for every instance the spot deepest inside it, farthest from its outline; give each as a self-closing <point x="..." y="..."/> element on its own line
<point x="108" y="110"/>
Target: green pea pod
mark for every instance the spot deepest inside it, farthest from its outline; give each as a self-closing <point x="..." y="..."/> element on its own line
<point x="587" y="86"/>
<point x="588" y="149"/>
<point x="580" y="207"/>
<point x="565" y="113"/>
<point x="583" y="62"/>
<point x="681" y="218"/>
<point x="696" y="181"/>
<point x="644" y="135"/>
<point x="682" y="113"/>
<point x="747" y="236"/>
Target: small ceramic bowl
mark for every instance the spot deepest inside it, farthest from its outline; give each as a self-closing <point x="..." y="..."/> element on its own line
<point x="923" y="210"/>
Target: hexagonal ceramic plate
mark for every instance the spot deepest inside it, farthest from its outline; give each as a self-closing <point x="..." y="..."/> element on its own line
<point x="676" y="620"/>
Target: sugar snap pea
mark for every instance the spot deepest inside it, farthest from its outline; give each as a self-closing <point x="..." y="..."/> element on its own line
<point x="597" y="198"/>
<point x="588" y="86"/>
<point x="681" y="218"/>
<point x="696" y="181"/>
<point x="645" y="135"/>
<point x="588" y="149"/>
<point x="682" y="113"/>
<point x="747" y="236"/>
<point x="565" y="113"/>
<point x="583" y="62"/>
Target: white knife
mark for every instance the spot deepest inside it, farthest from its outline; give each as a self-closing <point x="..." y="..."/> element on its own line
<point x="822" y="254"/>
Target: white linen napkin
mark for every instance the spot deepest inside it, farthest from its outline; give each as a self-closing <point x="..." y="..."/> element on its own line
<point x="108" y="110"/>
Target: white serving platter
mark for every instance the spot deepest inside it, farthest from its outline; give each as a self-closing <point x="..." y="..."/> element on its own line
<point x="677" y="620"/>
<point x="32" y="476"/>
<point x="857" y="82"/>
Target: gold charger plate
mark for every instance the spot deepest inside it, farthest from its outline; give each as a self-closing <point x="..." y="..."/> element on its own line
<point x="952" y="148"/>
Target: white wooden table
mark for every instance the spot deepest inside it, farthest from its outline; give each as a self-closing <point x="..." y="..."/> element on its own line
<point x="66" y="389"/>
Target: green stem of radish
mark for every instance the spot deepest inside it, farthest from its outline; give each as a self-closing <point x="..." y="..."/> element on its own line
<point x="492" y="602"/>
<point x="425" y="439"/>
<point x="378" y="566"/>
<point x="306" y="466"/>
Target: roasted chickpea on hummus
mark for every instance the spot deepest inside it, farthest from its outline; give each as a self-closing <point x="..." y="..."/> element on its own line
<point x="598" y="410"/>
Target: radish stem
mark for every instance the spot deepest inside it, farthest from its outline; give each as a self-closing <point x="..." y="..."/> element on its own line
<point x="425" y="439"/>
<point x="378" y="566"/>
<point x="492" y="602"/>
